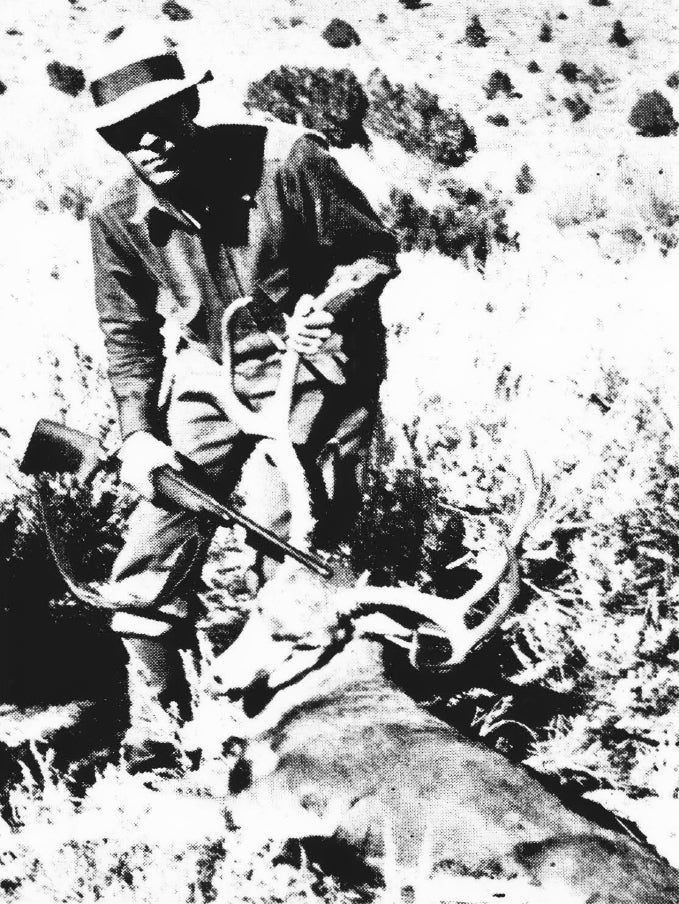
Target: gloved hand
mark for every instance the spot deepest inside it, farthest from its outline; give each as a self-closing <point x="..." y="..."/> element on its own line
<point x="140" y="455"/>
<point x="308" y="328"/>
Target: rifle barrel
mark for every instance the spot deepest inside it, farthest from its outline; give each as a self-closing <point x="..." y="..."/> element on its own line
<point x="176" y="487"/>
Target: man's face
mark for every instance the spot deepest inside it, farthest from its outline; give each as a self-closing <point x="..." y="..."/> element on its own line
<point x="157" y="141"/>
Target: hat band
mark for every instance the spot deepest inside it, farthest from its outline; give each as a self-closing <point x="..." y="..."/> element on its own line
<point x="109" y="88"/>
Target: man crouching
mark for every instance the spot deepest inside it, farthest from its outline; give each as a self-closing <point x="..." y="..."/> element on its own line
<point x="206" y="216"/>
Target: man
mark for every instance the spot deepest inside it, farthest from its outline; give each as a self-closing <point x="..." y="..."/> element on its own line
<point x="205" y="216"/>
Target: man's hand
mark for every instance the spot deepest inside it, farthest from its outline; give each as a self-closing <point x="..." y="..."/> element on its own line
<point x="308" y="328"/>
<point x="140" y="455"/>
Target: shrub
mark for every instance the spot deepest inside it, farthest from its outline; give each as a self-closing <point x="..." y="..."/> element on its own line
<point x="533" y="67"/>
<point x="414" y="118"/>
<point x="475" y="34"/>
<point x="467" y="225"/>
<point x="329" y="100"/>
<point x="499" y="83"/>
<point x="339" y="33"/>
<point x="498" y="120"/>
<point x="570" y="71"/>
<point x="652" y="116"/>
<point x="619" y="35"/>
<point x="525" y="180"/>
<point x="577" y="106"/>
<point x="545" y="33"/>
<point x="176" y="12"/>
<point x="673" y="80"/>
<point x="66" y="78"/>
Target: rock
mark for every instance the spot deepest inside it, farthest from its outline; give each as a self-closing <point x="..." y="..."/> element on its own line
<point x="475" y="34"/>
<point x="577" y="107"/>
<point x="525" y="180"/>
<point x="570" y="71"/>
<point x="533" y="67"/>
<point x="295" y="21"/>
<point x="673" y="80"/>
<point x="498" y="120"/>
<point x="3" y="88"/>
<point x="652" y="116"/>
<point x="619" y="36"/>
<point x="599" y="2"/>
<point x="545" y="33"/>
<point x="341" y="34"/>
<point x="66" y="78"/>
<point x="562" y="16"/>
<point x="413" y="4"/>
<point x="382" y="18"/>
<point x="13" y="32"/>
<point x="499" y="83"/>
<point x="176" y="12"/>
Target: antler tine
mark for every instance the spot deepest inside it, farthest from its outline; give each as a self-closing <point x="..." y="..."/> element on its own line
<point x="250" y="421"/>
<point x="273" y="424"/>
<point x="449" y="615"/>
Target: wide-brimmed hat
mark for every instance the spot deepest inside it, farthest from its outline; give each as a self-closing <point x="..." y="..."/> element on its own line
<point x="133" y="71"/>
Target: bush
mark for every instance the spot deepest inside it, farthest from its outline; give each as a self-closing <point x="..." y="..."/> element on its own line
<point x="468" y="224"/>
<point x="475" y="34"/>
<point x="577" y="106"/>
<point x="335" y="103"/>
<point x="66" y="78"/>
<point x="570" y="71"/>
<point x="414" y="118"/>
<point x="176" y="12"/>
<point x="652" y="116"/>
<point x="499" y="83"/>
<point x="330" y="100"/>
<point x="525" y="181"/>
<point x="498" y="120"/>
<point x="619" y="35"/>
<point x="339" y="33"/>
<point x="673" y="80"/>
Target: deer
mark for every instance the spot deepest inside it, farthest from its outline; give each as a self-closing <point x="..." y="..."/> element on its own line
<point x="323" y="729"/>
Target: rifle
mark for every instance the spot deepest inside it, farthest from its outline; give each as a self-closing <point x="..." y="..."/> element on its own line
<point x="56" y="449"/>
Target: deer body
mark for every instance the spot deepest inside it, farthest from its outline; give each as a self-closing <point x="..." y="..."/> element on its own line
<point x="334" y="749"/>
<point x="356" y="758"/>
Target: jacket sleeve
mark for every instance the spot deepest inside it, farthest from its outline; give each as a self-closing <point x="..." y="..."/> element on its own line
<point x="126" y="296"/>
<point x="337" y="222"/>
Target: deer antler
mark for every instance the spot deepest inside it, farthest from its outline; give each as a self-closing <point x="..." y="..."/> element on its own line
<point x="450" y="615"/>
<point x="272" y="423"/>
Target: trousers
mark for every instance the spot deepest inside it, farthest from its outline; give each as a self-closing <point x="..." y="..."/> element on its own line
<point x="156" y="537"/>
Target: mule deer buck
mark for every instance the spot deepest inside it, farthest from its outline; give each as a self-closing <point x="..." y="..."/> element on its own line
<point x="330" y="740"/>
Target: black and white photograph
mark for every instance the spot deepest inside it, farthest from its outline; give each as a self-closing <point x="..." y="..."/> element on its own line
<point x="339" y="452"/>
